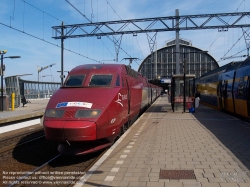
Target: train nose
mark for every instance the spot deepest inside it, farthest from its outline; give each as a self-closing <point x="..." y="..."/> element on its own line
<point x="61" y="131"/>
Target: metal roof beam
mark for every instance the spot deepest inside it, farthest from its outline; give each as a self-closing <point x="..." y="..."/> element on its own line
<point x="191" y="23"/>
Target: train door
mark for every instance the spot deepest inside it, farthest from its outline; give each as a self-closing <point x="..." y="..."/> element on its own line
<point x="224" y="94"/>
<point x="248" y="95"/>
<point x="151" y="95"/>
<point x="129" y="99"/>
<point x="219" y="93"/>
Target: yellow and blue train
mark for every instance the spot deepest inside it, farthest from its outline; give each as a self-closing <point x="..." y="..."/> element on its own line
<point x="227" y="88"/>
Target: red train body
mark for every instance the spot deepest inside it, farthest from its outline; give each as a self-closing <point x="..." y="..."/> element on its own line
<point x="95" y="106"/>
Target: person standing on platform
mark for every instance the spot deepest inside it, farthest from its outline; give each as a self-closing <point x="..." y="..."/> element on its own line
<point x="23" y="100"/>
<point x="197" y="94"/>
<point x="197" y="99"/>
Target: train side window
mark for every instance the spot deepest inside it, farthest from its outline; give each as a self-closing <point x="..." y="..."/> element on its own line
<point x="117" y="81"/>
<point x="240" y="86"/>
<point x="75" y="80"/>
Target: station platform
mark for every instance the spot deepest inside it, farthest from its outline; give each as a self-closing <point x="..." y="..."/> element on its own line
<point x="162" y="148"/>
<point x="22" y="119"/>
<point x="33" y="109"/>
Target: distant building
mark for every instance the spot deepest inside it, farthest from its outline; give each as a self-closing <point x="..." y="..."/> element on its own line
<point x="196" y="63"/>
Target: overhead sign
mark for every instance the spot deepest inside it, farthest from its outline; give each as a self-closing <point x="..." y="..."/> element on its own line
<point x="165" y="80"/>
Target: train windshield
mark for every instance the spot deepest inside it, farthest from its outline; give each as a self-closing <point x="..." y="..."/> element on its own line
<point x="75" y="80"/>
<point x="100" y="80"/>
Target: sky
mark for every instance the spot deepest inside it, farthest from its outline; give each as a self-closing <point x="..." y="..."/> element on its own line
<point x="26" y="31"/>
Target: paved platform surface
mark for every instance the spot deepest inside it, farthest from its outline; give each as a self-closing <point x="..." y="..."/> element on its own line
<point x="214" y="145"/>
<point x="34" y="109"/>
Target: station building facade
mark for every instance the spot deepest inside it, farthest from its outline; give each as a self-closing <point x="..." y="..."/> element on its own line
<point x="162" y="63"/>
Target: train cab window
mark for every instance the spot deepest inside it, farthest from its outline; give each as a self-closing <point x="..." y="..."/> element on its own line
<point x="75" y="80"/>
<point x="117" y="81"/>
<point x="100" y="80"/>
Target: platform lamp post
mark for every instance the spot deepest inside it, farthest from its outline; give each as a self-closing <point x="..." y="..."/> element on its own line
<point x="62" y="76"/>
<point x="2" y="70"/>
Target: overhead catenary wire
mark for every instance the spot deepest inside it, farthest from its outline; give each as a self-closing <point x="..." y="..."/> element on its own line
<point x="128" y="27"/>
<point x="82" y="15"/>
<point x="100" y="30"/>
<point x="13" y="12"/>
<point x="79" y="11"/>
<point x="48" y="42"/>
<point x="234" y="44"/>
<point x="219" y="35"/>
<point x="42" y="39"/>
<point x="41" y="10"/>
<point x="232" y="56"/>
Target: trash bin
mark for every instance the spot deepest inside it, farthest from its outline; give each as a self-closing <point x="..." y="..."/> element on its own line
<point x="5" y="101"/>
<point x="191" y="110"/>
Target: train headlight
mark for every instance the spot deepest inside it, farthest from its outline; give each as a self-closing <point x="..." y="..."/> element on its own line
<point x="87" y="113"/>
<point x="54" y="113"/>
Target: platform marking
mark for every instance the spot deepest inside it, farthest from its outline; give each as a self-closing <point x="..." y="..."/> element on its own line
<point x="109" y="178"/>
<point x="123" y="156"/>
<point x="153" y="106"/>
<point x="115" y="169"/>
<point x="14" y="126"/>
<point x="119" y="162"/>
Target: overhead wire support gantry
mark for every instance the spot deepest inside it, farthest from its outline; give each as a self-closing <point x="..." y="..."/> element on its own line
<point x="158" y="24"/>
<point x="146" y="25"/>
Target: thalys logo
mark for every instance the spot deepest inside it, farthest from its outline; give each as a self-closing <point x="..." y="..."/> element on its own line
<point x="121" y="98"/>
<point x="76" y="104"/>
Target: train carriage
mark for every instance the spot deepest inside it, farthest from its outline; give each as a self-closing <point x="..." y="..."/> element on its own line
<point x="95" y="106"/>
<point x="227" y="88"/>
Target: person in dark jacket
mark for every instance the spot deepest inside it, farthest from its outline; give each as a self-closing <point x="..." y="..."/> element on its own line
<point x="197" y="94"/>
<point x="23" y="100"/>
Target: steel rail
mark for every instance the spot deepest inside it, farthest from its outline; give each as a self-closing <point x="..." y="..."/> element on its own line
<point x="32" y="172"/>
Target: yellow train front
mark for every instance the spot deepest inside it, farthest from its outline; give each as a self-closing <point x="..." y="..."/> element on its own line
<point x="227" y="88"/>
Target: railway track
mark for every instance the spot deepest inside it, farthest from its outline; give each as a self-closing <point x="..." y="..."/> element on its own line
<point x="28" y="159"/>
<point x="8" y="144"/>
<point x="60" y="171"/>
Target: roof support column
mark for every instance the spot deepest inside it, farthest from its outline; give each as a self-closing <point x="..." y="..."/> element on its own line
<point x="177" y="43"/>
<point x="151" y="43"/>
<point x="62" y="48"/>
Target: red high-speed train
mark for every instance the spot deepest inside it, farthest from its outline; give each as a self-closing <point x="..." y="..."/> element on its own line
<point x="96" y="104"/>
